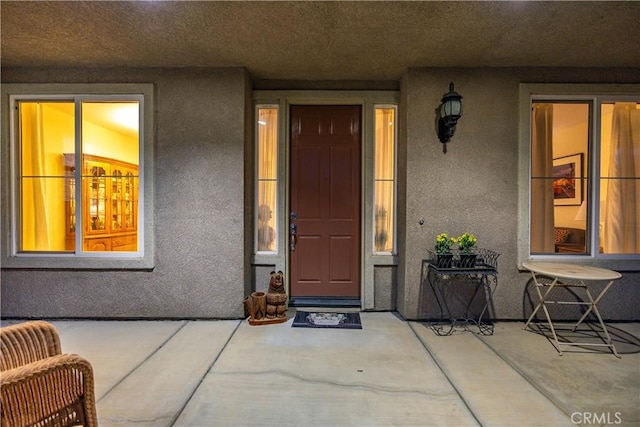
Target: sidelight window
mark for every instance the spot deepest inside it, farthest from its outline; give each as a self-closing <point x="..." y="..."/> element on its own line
<point x="267" y="173"/>
<point x="385" y="179"/>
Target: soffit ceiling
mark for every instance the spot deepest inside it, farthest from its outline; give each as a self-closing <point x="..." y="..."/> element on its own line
<point x="312" y="40"/>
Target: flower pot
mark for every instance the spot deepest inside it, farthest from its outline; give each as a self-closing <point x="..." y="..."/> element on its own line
<point x="256" y="305"/>
<point x="444" y="261"/>
<point x="467" y="260"/>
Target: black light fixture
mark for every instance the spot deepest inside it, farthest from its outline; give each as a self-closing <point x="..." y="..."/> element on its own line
<point x="449" y="111"/>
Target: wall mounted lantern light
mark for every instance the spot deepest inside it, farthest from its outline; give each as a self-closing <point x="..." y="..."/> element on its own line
<point x="449" y="111"/>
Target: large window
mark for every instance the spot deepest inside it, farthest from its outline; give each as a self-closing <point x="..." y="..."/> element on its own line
<point x="100" y="214"/>
<point x="585" y="176"/>
<point x="76" y="179"/>
<point x="384" y="179"/>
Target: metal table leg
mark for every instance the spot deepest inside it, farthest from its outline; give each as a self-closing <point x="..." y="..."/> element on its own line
<point x="446" y="316"/>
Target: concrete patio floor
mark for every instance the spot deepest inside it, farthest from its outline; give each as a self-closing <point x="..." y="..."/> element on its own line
<point x="390" y="373"/>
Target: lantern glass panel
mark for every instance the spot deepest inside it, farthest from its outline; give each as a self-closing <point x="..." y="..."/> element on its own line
<point x="456" y="107"/>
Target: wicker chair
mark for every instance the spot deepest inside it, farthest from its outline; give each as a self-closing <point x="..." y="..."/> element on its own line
<point x="40" y="386"/>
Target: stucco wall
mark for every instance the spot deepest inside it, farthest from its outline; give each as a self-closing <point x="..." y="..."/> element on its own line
<point x="474" y="186"/>
<point x="386" y="284"/>
<point x="200" y="265"/>
<point x="203" y="196"/>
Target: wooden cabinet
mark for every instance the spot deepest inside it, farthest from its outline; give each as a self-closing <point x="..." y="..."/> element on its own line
<point x="109" y="204"/>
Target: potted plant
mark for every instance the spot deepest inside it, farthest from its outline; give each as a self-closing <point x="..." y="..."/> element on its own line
<point x="443" y="250"/>
<point x="466" y="243"/>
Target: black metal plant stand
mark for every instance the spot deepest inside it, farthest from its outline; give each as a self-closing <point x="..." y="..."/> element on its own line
<point x="482" y="275"/>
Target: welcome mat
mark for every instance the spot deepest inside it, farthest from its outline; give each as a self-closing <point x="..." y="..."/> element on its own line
<point x="306" y="319"/>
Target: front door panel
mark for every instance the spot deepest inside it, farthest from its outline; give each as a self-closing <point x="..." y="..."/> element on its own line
<point x="325" y="200"/>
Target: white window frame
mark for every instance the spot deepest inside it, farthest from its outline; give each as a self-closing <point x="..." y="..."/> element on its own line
<point x="11" y="257"/>
<point x="596" y="94"/>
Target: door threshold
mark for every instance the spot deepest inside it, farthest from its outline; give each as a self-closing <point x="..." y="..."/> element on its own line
<point x="324" y="302"/>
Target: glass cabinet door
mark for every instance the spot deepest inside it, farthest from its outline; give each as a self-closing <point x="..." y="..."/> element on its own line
<point x="123" y="199"/>
<point x="116" y="199"/>
<point x="96" y="182"/>
<point x="70" y="202"/>
<point x="130" y="201"/>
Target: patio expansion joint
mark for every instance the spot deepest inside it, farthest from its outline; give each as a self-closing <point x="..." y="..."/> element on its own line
<point x="446" y="375"/>
<point x="128" y="421"/>
<point x="149" y="356"/>
<point x="207" y="371"/>
<point x="529" y="380"/>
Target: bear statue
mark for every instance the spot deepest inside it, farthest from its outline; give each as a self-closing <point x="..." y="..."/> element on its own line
<point x="276" y="296"/>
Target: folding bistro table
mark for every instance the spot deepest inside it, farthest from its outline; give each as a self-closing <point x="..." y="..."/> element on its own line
<point x="571" y="276"/>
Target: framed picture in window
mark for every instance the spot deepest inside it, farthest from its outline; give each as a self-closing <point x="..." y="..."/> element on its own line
<point x="567" y="180"/>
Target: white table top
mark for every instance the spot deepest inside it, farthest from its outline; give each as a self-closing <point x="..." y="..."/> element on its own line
<point x="571" y="271"/>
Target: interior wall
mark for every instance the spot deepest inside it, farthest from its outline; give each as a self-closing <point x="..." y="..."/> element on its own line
<point x="103" y="142"/>
<point x="474" y="186"/>
<point x="200" y="265"/>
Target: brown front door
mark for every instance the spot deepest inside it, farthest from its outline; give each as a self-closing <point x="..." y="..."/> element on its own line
<point x="325" y="201"/>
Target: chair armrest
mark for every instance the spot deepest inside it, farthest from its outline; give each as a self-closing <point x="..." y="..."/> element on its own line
<point x="27" y="342"/>
<point x="56" y="389"/>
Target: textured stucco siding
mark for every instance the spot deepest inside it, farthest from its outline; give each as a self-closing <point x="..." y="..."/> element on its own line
<point x="200" y="262"/>
<point x="203" y="196"/>
<point x="474" y="186"/>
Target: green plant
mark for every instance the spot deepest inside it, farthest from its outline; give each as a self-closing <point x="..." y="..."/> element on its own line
<point x="444" y="243"/>
<point x="466" y="242"/>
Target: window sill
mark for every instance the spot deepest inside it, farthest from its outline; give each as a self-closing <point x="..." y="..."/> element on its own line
<point x="384" y="259"/>
<point x="619" y="263"/>
<point x="46" y="262"/>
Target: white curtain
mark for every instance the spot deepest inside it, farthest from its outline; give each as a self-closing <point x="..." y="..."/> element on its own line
<point x="542" y="210"/>
<point x="622" y="211"/>
<point x="267" y="178"/>
<point x="35" y="223"/>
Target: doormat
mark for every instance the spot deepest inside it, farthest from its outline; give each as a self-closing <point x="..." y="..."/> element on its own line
<point x="306" y="319"/>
